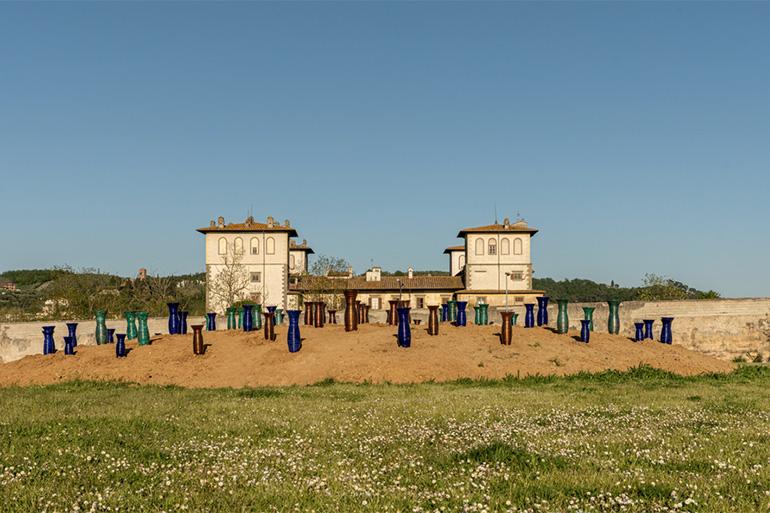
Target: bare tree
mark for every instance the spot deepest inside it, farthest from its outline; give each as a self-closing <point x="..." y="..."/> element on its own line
<point x="321" y="286"/>
<point x="228" y="284"/>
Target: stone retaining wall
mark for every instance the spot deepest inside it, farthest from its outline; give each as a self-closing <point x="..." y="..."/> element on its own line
<point x="725" y="328"/>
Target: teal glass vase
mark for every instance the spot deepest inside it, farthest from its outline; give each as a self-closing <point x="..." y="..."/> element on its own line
<point x="143" y="333"/>
<point x="562" y="318"/>
<point x="101" y="327"/>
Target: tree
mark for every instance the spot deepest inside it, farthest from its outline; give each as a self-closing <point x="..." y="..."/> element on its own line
<point x="227" y="285"/>
<point x="325" y="264"/>
<point x="321" y="287"/>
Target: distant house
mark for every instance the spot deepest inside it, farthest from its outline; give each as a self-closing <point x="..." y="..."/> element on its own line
<point x="7" y="285"/>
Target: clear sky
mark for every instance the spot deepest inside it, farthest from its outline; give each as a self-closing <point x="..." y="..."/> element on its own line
<point x="635" y="136"/>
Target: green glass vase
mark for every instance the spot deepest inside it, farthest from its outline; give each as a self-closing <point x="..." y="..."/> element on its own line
<point x="144" y="331"/>
<point x="131" y="330"/>
<point x="562" y="318"/>
<point x="613" y="320"/>
<point x="588" y="312"/>
<point x="484" y="314"/>
<point x="231" y="318"/>
<point x="257" y="317"/>
<point x="101" y="327"/>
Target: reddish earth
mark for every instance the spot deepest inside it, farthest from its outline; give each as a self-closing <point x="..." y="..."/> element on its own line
<point x="238" y="359"/>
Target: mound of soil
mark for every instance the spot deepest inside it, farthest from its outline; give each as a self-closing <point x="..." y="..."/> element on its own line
<point x="238" y="359"/>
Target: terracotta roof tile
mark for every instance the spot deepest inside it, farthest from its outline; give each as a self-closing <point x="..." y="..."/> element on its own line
<point x="391" y="283"/>
<point x="517" y="227"/>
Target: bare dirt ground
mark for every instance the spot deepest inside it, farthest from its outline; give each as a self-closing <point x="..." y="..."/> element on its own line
<point x="238" y="359"/>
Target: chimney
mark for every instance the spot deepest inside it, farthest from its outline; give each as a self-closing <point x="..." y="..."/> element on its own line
<point x="410" y="273"/>
<point x="350" y="271"/>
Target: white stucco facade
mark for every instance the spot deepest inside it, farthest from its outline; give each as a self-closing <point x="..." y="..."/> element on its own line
<point x="257" y="252"/>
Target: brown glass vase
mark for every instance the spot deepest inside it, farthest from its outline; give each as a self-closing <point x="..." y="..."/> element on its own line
<point x="197" y="339"/>
<point x="433" y="319"/>
<point x="351" y="313"/>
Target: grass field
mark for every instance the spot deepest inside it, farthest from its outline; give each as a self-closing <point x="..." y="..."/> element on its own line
<point x="639" y="441"/>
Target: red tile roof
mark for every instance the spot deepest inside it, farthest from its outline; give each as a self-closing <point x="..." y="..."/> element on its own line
<point x="248" y="226"/>
<point x="449" y="283"/>
<point x="517" y="227"/>
<point x="450" y="249"/>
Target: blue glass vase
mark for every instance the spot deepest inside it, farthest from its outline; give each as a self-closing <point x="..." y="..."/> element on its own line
<point x="639" y="331"/>
<point x="120" y="345"/>
<point x="444" y="312"/>
<point x="529" y="316"/>
<point x="461" y="318"/>
<point x="173" y="318"/>
<point x="182" y="323"/>
<point x="648" y="329"/>
<point x="49" y="346"/>
<point x="542" y="311"/>
<point x="293" y="335"/>
<point x="665" y="331"/>
<point x="248" y="321"/>
<point x="404" y="330"/>
<point x="110" y="336"/>
<point x="72" y="328"/>
<point x="585" y="330"/>
<point x="69" y="347"/>
<point x="211" y="321"/>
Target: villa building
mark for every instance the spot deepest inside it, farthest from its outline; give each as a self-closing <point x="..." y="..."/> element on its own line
<point x="493" y="263"/>
<point x="252" y="258"/>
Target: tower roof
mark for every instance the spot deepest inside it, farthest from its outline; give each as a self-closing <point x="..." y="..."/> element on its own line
<point x="519" y="226"/>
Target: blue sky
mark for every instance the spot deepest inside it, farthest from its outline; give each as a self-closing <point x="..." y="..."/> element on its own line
<point x="633" y="135"/>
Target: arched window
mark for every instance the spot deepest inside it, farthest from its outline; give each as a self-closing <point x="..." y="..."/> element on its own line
<point x="270" y="246"/>
<point x="292" y="262"/>
<point x="222" y="246"/>
<point x="254" y="246"/>
<point x="492" y="247"/>
<point x="479" y="246"/>
<point x="238" y="246"/>
<point x="505" y="246"/>
<point x="461" y="261"/>
<point x="517" y="246"/>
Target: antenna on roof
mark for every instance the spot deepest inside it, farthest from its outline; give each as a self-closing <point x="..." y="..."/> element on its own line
<point x="495" y="212"/>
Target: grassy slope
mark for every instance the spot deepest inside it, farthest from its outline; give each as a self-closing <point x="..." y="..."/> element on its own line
<point x="644" y="439"/>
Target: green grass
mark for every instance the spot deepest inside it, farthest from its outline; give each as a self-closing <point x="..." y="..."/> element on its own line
<point x="637" y="441"/>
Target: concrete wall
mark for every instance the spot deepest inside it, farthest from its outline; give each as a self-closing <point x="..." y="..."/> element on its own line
<point x="724" y="328"/>
<point x="19" y="339"/>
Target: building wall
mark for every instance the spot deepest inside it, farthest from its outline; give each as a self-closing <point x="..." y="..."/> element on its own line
<point x="299" y="261"/>
<point x="456" y="262"/>
<point x="429" y="297"/>
<point x="486" y="272"/>
<point x="273" y="266"/>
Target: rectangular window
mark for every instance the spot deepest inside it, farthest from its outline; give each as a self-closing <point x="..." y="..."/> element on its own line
<point x="420" y="302"/>
<point x="518" y="299"/>
<point x="256" y="277"/>
<point x="517" y="275"/>
<point x="254" y="250"/>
